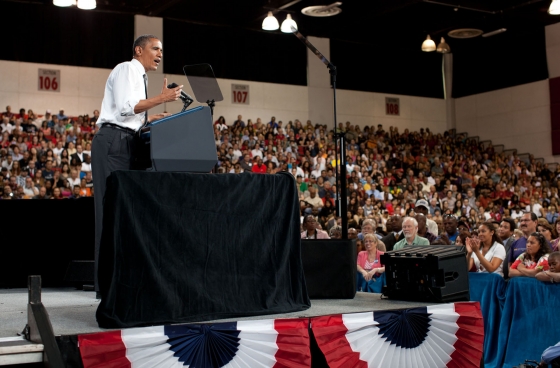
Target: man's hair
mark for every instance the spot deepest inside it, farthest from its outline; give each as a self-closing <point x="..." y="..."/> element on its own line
<point x="142" y="41"/>
<point x="369" y="222"/>
<point x="554" y="255"/>
<point x="511" y="223"/>
<point x="411" y="219"/>
<point x="533" y="215"/>
<point x="335" y="229"/>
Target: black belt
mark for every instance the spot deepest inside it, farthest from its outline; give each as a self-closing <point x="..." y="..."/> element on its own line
<point x="118" y="127"/>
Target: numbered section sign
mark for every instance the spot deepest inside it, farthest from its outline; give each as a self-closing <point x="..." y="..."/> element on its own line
<point x="392" y="106"/>
<point x="49" y="80"/>
<point x="240" y="94"/>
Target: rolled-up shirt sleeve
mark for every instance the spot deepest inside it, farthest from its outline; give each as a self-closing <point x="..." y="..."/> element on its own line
<point x="125" y="90"/>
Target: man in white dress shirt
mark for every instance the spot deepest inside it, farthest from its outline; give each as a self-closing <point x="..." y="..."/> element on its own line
<point x="124" y="111"/>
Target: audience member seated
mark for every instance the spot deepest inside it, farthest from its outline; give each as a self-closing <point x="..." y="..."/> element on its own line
<point x="57" y="194"/>
<point x="312" y="202"/>
<point x="423" y="229"/>
<point x="368" y="227"/>
<point x="310" y="229"/>
<point x="423" y="207"/>
<point x="486" y="253"/>
<point x="394" y="231"/>
<point x="553" y="273"/>
<point x="528" y="225"/>
<point x="335" y="232"/>
<point x="369" y="262"/>
<point x="547" y="230"/>
<point x="42" y="194"/>
<point x="506" y="232"/>
<point x="554" y="243"/>
<point x="451" y="230"/>
<point x="410" y="232"/>
<point x="534" y="259"/>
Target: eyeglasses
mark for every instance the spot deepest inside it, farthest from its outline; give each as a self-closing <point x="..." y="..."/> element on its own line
<point x="450" y="216"/>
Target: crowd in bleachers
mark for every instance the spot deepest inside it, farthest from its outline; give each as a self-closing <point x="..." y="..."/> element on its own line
<point x="45" y="156"/>
<point x="390" y="174"/>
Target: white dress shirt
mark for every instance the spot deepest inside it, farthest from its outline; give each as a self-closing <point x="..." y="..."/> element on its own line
<point x="123" y="90"/>
<point x="85" y="167"/>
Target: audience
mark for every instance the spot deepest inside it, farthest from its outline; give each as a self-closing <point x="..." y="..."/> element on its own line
<point x="486" y="253"/>
<point x="453" y="181"/>
<point x="534" y="259"/>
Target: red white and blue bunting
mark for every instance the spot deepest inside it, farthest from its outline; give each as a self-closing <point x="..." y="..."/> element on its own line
<point x="445" y="335"/>
<point x="260" y="343"/>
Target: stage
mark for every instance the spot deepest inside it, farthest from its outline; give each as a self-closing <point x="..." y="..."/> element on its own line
<point x="72" y="311"/>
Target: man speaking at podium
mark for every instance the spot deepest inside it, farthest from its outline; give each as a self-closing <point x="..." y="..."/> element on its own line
<point x="124" y="111"/>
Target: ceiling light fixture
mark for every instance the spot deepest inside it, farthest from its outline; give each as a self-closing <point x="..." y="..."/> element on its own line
<point x="287" y="24"/>
<point x="64" y="2"/>
<point x="270" y="23"/>
<point x="428" y="45"/>
<point x="322" y="10"/>
<point x="554" y="8"/>
<point x="86" y="4"/>
<point x="443" y="47"/>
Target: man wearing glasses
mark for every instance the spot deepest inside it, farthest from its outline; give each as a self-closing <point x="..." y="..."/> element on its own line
<point x="528" y="225"/>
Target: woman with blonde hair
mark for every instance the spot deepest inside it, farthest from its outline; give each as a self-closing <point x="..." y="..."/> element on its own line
<point x="369" y="261"/>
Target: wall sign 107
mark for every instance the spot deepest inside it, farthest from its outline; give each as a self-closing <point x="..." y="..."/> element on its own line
<point x="240" y="94"/>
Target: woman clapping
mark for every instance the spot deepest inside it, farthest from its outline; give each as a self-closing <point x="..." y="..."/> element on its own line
<point x="486" y="253"/>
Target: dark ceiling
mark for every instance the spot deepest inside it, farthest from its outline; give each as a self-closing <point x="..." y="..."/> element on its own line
<point x="400" y="23"/>
<point x="374" y="43"/>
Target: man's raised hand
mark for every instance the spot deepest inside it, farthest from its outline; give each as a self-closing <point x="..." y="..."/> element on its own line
<point x="170" y="94"/>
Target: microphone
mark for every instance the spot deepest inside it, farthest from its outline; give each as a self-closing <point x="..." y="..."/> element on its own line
<point x="186" y="98"/>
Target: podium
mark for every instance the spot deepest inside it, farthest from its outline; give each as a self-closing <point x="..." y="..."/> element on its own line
<point x="181" y="247"/>
<point x="182" y="142"/>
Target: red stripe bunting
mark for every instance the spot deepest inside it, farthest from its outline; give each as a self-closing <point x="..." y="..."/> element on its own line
<point x="330" y="334"/>
<point x="104" y="349"/>
<point x="470" y="336"/>
<point x="293" y="343"/>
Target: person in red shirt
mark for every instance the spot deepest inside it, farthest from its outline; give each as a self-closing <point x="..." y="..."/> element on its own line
<point x="259" y="167"/>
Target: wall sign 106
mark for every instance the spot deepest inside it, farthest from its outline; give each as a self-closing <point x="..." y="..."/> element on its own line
<point x="49" y="80"/>
<point x="392" y="106"/>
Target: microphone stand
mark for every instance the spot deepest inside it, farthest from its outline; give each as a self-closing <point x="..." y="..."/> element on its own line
<point x="186" y="103"/>
<point x="340" y="144"/>
<point x="211" y="104"/>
